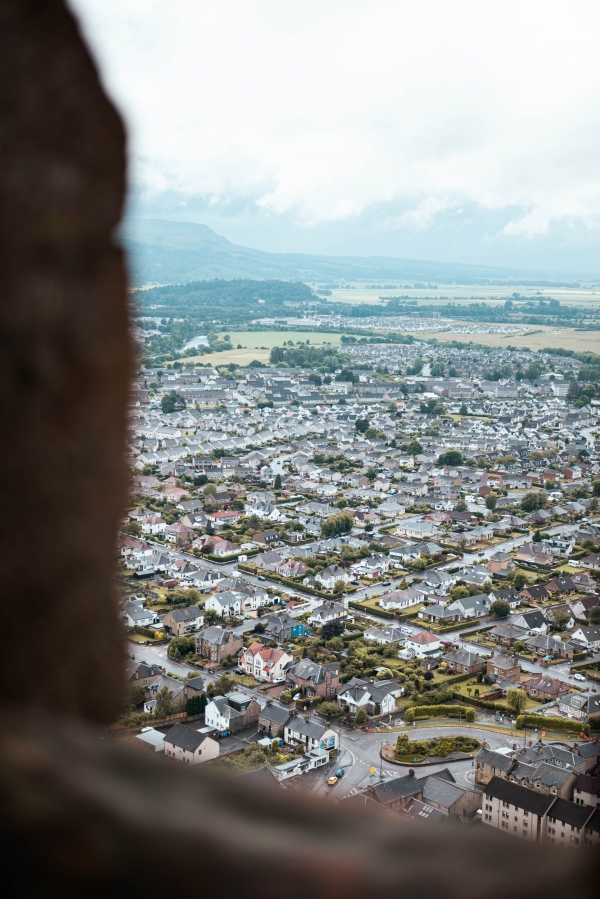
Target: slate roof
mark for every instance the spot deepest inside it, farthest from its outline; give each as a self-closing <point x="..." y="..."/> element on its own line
<point x="275" y="714"/>
<point x="392" y="790"/>
<point x="442" y="792"/>
<point x="184" y="737"/>
<point x="521" y="797"/>
<point x="570" y="813"/>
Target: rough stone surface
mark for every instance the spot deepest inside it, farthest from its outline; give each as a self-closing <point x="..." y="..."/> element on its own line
<point x="64" y="362"/>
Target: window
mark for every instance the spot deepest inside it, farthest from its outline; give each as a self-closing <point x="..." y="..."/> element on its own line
<point x="525" y="814"/>
<point x="525" y="833"/>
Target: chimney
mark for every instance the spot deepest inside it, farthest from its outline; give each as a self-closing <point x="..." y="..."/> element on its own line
<point x="411" y="772"/>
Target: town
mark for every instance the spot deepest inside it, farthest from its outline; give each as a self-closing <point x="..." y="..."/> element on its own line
<point x="370" y="572"/>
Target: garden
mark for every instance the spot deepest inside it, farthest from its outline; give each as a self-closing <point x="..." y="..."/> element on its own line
<point x="419" y="751"/>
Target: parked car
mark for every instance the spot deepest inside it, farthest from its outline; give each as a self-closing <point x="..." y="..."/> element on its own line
<point x="261" y="577"/>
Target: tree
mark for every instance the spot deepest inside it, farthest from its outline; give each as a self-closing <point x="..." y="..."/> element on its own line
<point x="490" y="501"/>
<point x="500" y="608"/>
<point x="460" y="506"/>
<point x="277" y="482"/>
<point x="132" y="529"/>
<point x="463" y="410"/>
<point x="361" y="425"/>
<point x="519" y="646"/>
<point x="516" y="699"/>
<point x="137" y="695"/>
<point x="414" y="448"/>
<point x="337" y="524"/>
<point x="594" y="615"/>
<point x="222" y="685"/>
<point x="330" y="710"/>
<point x="534" y="500"/>
<point x="537" y="537"/>
<point x="172" y="402"/>
<point x="451" y="458"/>
<point x="361" y="717"/>
<point x="164" y="703"/>
<point x="519" y="580"/>
<point x="438" y="370"/>
<point x="459" y="592"/>
<point x="561" y="618"/>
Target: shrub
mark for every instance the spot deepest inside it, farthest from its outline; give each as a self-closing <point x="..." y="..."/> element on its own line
<point x="439" y="711"/>
<point x="557" y="724"/>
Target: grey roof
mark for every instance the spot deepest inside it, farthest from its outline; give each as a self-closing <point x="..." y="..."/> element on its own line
<point x="570" y="813"/>
<point x="441" y="791"/>
<point x="184" y="737"/>
<point x="310" y="729"/>
<point x="308" y="670"/>
<point x="496" y="760"/>
<point x="465" y="657"/>
<point x="391" y="790"/>
<point x="275" y="714"/>
<point x="214" y="634"/>
<point x="521" y="797"/>
<point x="188" y="614"/>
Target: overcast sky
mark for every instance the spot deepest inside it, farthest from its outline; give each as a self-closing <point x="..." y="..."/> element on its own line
<point x="456" y="130"/>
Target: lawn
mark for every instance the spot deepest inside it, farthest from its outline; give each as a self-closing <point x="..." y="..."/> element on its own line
<point x="245" y="680"/>
<point x="464" y="686"/>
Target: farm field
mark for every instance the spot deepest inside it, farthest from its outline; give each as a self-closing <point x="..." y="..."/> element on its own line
<point x="494" y="294"/>
<point x="269" y="339"/>
<point x="240" y="357"/>
<point x="567" y="338"/>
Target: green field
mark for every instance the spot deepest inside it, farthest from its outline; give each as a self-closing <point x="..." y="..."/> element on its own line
<point x="269" y="339"/>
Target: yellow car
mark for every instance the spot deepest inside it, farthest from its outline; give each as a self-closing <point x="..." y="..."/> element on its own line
<point x="332" y="781"/>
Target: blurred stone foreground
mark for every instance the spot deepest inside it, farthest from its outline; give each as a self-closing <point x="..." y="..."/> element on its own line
<point x="78" y="815"/>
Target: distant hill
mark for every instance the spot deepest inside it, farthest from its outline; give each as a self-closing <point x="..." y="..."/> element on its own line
<point x="164" y="252"/>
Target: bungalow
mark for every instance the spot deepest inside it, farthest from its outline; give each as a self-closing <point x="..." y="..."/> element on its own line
<point x="401" y="599"/>
<point x="464" y="661"/>
<point x="508" y="595"/>
<point x="417" y="529"/>
<point x="291" y="568"/>
<point x="269" y="561"/>
<point x="536" y="593"/>
<point x="267" y="539"/>
<point x="383" y="635"/>
<point x="471" y="606"/>
<point x="545" y="688"/>
<point x="563" y="586"/>
<point x="531" y="554"/>
<point x="423" y="645"/>
<point x="591" y="561"/>
<point x="507" y="634"/>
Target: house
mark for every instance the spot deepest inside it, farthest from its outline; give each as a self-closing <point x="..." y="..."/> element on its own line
<point x="189" y="746"/>
<point x="292" y="568"/>
<point x="327" y="613"/>
<point x="530" y="553"/>
<point x="373" y="566"/>
<point x="588" y="636"/>
<point x="296" y="767"/>
<point x="534" y="622"/>
<point x="501" y="564"/>
<point x="438" y="582"/>
<point x="135" y="615"/>
<point x="536" y="593"/>
<point x="464" y="661"/>
<point x="228" y="602"/>
<point x="508" y="595"/>
<point x="387" y="634"/>
<point x="283" y="628"/>
<point x="330" y="576"/>
<point x="423" y="645"/>
<point x="216" y="643"/>
<point x="375" y="697"/>
<point x="272" y="719"/>
<point x="507" y="634"/>
<point x="591" y="561"/>
<point x="502" y="667"/>
<point x="312" y="679"/>
<point x="544" y="645"/>
<point x="142" y="673"/>
<point x="471" y="606"/>
<point x="436" y="791"/>
<point x="572" y="825"/>
<point x="545" y="688"/>
<point x="563" y="586"/>
<point x="183" y="621"/>
<point x="580" y="706"/>
<point x="267" y="539"/>
<point x="310" y="734"/>
<point x="269" y="561"/>
<point x="586" y="791"/>
<point x="401" y="599"/>
<point x="205" y="579"/>
<point x="232" y="713"/>
<point x="264" y="663"/>
<point x="178" y="533"/>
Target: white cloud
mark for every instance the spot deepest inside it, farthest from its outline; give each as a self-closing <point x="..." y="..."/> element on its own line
<point x="324" y="109"/>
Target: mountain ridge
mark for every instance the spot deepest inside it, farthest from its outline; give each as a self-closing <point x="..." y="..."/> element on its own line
<point x="166" y="252"/>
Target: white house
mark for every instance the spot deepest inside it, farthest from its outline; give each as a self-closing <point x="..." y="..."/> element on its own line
<point x="226" y="603"/>
<point x="401" y="599"/>
<point x="375" y="565"/>
<point x="189" y="746"/>
<point x="423" y="645"/>
<point x="589" y="636"/>
<point x="373" y="697"/>
<point x="331" y="575"/>
<point x="310" y="734"/>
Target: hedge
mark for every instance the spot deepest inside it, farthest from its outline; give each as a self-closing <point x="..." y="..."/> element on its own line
<point x="481" y="703"/>
<point x="578" y="656"/>
<point x="382" y="613"/>
<point x="438" y="711"/>
<point x="556" y="724"/>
